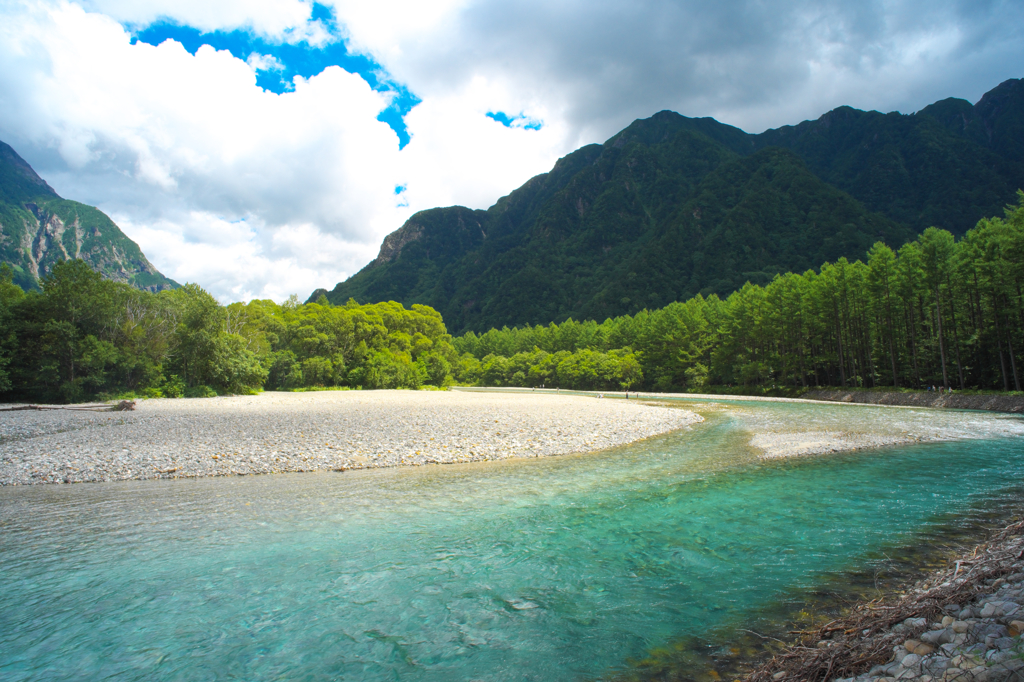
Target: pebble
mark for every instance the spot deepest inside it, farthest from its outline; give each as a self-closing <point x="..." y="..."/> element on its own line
<point x="982" y="644"/>
<point x="330" y="430"/>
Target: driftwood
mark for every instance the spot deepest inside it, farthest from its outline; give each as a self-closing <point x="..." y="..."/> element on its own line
<point x="861" y="639"/>
<point x="123" y="406"/>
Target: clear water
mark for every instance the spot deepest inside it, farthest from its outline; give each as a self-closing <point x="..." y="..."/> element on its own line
<point x="558" y="569"/>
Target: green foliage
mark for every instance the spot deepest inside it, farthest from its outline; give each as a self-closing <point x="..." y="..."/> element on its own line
<point x="672" y="206"/>
<point x="937" y="312"/>
<point x="82" y="336"/>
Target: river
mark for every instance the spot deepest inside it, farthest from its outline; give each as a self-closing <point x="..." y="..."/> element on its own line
<point x="575" y="567"/>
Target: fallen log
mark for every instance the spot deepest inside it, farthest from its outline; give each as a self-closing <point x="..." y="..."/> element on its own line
<point x="123" y="406"/>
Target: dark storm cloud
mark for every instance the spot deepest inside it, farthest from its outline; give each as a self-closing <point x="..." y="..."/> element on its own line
<point x="608" y="62"/>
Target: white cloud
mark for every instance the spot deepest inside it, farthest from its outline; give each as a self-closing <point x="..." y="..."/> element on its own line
<point x="264" y="62"/>
<point x="192" y="134"/>
<point x="274" y="18"/>
<point x="241" y="260"/>
<point x="215" y="177"/>
<point x="255" y="194"/>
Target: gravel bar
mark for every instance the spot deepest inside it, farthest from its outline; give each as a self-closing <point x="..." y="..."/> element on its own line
<point x="330" y="430"/>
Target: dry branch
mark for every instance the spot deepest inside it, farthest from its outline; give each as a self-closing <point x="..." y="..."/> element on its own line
<point x="123" y="406"/>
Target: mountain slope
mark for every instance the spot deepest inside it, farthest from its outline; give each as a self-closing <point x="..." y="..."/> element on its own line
<point x="38" y="228"/>
<point x="674" y="206"/>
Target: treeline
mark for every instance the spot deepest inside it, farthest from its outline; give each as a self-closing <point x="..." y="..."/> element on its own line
<point x="935" y="312"/>
<point x="83" y="337"/>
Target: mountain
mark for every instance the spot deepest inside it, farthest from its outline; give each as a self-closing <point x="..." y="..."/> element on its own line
<point x="674" y="206"/>
<point x="38" y="228"/>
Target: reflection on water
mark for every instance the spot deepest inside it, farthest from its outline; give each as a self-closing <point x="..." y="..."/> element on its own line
<point x="566" y="568"/>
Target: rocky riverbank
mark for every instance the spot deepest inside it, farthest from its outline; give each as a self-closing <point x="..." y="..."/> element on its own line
<point x="957" y="401"/>
<point x="962" y="623"/>
<point x="331" y="430"/>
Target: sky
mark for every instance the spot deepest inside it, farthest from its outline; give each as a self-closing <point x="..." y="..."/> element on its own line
<point x="262" y="148"/>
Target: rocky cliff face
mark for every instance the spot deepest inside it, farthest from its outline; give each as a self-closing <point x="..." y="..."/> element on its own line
<point x="39" y="229"/>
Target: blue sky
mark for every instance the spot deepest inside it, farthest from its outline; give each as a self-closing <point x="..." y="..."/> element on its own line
<point x="229" y="172"/>
<point x="299" y="58"/>
<point x="294" y="58"/>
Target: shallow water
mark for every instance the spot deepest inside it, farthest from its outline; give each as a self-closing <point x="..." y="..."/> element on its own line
<point x="565" y="568"/>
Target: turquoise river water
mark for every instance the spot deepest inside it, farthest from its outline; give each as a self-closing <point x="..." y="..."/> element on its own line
<point x="558" y="569"/>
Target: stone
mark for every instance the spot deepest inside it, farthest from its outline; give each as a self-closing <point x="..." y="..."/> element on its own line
<point x="779" y="675"/>
<point x="1006" y="671"/>
<point x="982" y="630"/>
<point x="923" y="649"/>
<point x="910" y="661"/>
<point x="935" y="665"/>
<point x="1003" y="643"/>
<point x="1016" y="628"/>
<point x="947" y="621"/>
<point x="960" y="626"/>
<point x="980" y="675"/>
<point x="915" y="622"/>
<point x="938" y="637"/>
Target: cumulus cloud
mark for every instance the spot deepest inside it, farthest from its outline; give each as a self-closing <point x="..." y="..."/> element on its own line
<point x="753" y="64"/>
<point x="221" y="182"/>
<point x="260" y="194"/>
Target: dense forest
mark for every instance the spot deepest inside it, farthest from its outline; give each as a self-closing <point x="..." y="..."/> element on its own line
<point x="936" y="312"/>
<point x="82" y="337"/>
<point x="672" y="207"/>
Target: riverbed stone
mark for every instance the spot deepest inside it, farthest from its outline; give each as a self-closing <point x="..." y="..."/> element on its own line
<point x="980" y="631"/>
<point x="910" y="660"/>
<point x="960" y="626"/>
<point x="1003" y="643"/>
<point x="923" y="649"/>
<point x="1010" y="670"/>
<point x="938" y="637"/>
<point x="326" y="431"/>
<point x="935" y="665"/>
<point x="1016" y="627"/>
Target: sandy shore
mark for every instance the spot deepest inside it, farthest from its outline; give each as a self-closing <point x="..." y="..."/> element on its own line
<point x="331" y="430"/>
<point x="831" y="427"/>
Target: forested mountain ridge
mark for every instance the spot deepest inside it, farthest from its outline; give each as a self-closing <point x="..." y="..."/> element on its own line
<point x="38" y="229"/>
<point x="674" y="206"/>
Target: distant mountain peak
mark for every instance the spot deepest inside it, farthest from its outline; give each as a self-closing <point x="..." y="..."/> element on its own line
<point x="38" y="229"/>
<point x="673" y="206"/>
